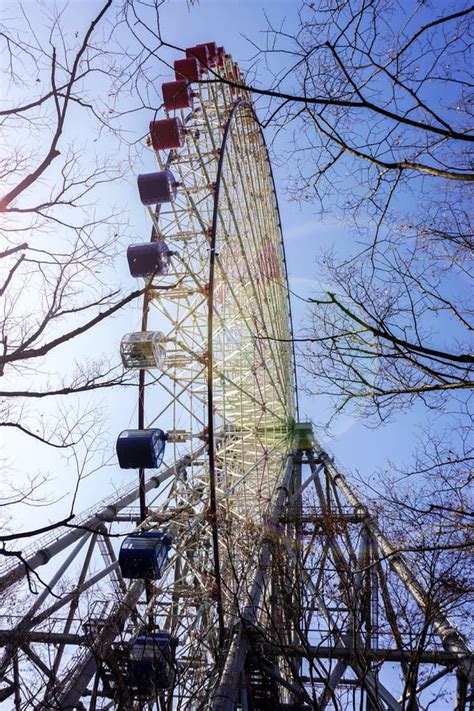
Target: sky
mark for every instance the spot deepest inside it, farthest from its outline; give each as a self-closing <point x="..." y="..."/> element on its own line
<point x="239" y="26"/>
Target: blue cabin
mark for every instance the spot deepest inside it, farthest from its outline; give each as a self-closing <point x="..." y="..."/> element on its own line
<point x="144" y="555"/>
<point x="149" y="259"/>
<point x="151" y="662"/>
<point x="140" y="449"/>
<point x="157" y="188"/>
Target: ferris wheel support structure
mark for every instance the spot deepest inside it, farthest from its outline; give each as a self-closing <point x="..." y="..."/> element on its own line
<point x="342" y="650"/>
<point x="346" y="646"/>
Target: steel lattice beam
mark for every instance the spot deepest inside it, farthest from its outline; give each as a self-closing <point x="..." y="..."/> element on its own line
<point x="354" y="654"/>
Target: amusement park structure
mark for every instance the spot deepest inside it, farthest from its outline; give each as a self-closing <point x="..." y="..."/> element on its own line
<point x="243" y="570"/>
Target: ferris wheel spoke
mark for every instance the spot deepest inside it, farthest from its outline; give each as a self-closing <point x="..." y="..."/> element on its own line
<point x="252" y="282"/>
<point x="225" y="321"/>
<point x="180" y="396"/>
<point x="257" y="302"/>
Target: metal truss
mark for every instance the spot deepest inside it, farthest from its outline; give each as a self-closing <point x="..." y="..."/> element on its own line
<point x="337" y="617"/>
<point x="327" y="615"/>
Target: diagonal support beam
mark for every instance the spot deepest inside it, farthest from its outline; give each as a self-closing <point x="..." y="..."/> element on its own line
<point x="452" y="639"/>
<point x="224" y="697"/>
<point x="26" y="623"/>
<point x="58" y="542"/>
<point x="67" y="694"/>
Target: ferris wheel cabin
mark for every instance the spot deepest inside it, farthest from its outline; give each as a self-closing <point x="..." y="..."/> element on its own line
<point x="167" y="133"/>
<point x="151" y="662"/>
<point x="141" y="449"/>
<point x="157" y="188"/>
<point x="149" y="259"/>
<point x="143" y="555"/>
<point x="143" y="349"/>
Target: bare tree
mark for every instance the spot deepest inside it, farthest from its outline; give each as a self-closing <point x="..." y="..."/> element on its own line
<point x="378" y="96"/>
<point x="61" y="230"/>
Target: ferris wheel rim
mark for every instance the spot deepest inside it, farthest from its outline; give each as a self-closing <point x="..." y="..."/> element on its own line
<point x="239" y="104"/>
<point x="210" y="362"/>
<point x="234" y="109"/>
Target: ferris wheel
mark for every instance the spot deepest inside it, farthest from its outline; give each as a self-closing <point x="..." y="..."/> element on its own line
<point x="215" y="397"/>
<point x="214" y="337"/>
<point x="238" y="583"/>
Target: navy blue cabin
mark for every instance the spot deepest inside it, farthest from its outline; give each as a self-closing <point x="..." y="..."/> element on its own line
<point x="151" y="661"/>
<point x="140" y="449"/>
<point x="149" y="259"/>
<point x="144" y="555"/>
<point x="157" y="188"/>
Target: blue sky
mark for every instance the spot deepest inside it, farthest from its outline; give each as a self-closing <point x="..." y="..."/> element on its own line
<point x="237" y="25"/>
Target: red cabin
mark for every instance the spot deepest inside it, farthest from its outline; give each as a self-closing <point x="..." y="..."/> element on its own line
<point x="220" y="56"/>
<point x="177" y="95"/>
<point x="201" y="53"/>
<point x="167" y="133"/>
<point x="212" y="52"/>
<point x="188" y="69"/>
